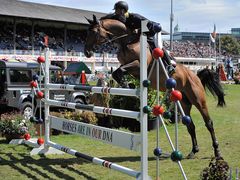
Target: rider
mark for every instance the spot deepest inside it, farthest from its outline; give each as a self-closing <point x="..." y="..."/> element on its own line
<point x="133" y="22"/>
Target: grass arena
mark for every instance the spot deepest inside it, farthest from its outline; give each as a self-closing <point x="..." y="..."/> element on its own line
<point x="15" y="160"/>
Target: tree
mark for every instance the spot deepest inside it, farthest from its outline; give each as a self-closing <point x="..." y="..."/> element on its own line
<point x="230" y="45"/>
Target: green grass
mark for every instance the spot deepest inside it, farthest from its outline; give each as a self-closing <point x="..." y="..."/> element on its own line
<point x="17" y="164"/>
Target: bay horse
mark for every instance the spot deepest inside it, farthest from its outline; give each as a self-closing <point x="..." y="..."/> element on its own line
<point x="191" y="86"/>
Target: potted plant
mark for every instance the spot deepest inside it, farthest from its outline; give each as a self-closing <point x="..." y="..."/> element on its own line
<point x="14" y="126"/>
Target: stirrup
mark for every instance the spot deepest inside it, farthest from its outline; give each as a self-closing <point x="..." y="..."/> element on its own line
<point x="170" y="69"/>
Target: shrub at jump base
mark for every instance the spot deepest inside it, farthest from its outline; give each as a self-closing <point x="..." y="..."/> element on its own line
<point x="217" y="169"/>
<point x="13" y="125"/>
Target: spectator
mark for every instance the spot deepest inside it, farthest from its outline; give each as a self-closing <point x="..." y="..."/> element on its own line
<point x="236" y="77"/>
<point x="229" y="67"/>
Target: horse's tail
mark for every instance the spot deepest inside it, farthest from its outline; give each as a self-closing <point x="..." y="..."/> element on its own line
<point x="210" y="79"/>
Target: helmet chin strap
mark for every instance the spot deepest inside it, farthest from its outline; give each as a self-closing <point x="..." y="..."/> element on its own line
<point x="126" y="14"/>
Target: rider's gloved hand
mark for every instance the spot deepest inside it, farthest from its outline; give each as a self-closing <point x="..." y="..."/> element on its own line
<point x="157" y="28"/>
<point x="154" y="27"/>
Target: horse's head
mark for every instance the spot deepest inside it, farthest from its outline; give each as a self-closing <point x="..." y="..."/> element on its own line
<point x="104" y="31"/>
<point x="96" y="35"/>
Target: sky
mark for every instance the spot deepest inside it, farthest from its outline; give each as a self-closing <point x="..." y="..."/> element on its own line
<point x="190" y="15"/>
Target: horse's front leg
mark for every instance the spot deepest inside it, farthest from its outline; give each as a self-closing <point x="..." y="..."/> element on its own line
<point x="132" y="68"/>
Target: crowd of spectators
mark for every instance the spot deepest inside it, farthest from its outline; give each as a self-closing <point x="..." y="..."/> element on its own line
<point x="24" y="41"/>
<point x="190" y="49"/>
<point x="75" y="41"/>
<point x="6" y="36"/>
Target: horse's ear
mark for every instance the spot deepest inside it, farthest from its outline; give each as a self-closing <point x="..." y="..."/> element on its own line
<point x="89" y="20"/>
<point x="95" y="20"/>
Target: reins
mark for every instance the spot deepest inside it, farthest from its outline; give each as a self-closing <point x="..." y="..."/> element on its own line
<point x="119" y="37"/>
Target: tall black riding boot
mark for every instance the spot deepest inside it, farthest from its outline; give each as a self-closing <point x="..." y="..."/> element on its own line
<point x="151" y="44"/>
<point x="166" y="57"/>
<point x="167" y="60"/>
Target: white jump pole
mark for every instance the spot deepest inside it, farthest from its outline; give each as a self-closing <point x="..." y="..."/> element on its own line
<point x="46" y="105"/>
<point x="143" y="101"/>
<point x="96" y="109"/>
<point x="93" y="89"/>
<point x="158" y="121"/>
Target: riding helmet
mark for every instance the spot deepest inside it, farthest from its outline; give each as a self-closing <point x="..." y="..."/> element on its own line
<point x="121" y="5"/>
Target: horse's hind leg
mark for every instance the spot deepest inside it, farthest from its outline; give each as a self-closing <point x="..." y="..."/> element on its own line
<point x="209" y="125"/>
<point x="186" y="105"/>
<point x="197" y="98"/>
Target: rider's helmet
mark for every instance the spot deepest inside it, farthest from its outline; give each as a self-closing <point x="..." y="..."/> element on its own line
<point x="121" y="5"/>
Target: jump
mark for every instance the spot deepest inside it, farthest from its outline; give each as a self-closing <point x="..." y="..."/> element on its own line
<point x="191" y="86"/>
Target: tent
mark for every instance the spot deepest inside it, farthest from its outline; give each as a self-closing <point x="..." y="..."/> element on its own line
<point x="77" y="68"/>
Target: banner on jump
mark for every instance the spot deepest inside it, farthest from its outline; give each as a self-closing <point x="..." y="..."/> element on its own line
<point x="111" y="136"/>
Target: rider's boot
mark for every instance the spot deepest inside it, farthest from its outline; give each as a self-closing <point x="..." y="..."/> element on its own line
<point x="151" y="43"/>
<point x="167" y="59"/>
<point x="156" y="41"/>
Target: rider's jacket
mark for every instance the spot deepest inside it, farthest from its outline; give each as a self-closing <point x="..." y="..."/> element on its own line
<point x="133" y="21"/>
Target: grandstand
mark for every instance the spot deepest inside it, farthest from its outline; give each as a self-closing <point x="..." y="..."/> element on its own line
<point x="202" y="37"/>
<point x="25" y="25"/>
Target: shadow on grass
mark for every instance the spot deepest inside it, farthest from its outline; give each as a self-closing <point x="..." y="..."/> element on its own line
<point x="132" y="158"/>
<point x="30" y="167"/>
<point x="41" y="166"/>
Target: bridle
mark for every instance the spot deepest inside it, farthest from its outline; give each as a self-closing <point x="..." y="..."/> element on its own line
<point x="110" y="36"/>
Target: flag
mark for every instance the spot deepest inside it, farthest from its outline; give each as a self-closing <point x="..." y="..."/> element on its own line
<point x="213" y="34"/>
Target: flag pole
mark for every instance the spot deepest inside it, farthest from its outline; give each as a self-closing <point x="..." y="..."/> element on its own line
<point x="219" y="46"/>
<point x="171" y="22"/>
<point x="215" y="42"/>
<point x="210" y="46"/>
<point x="215" y="51"/>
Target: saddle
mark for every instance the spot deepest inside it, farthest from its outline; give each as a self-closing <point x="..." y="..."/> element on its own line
<point x="133" y="38"/>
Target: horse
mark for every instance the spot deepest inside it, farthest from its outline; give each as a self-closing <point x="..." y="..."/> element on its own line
<point x="189" y="84"/>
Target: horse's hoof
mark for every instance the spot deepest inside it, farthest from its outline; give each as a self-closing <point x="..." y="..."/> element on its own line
<point x="218" y="154"/>
<point x="131" y="86"/>
<point x="191" y="155"/>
